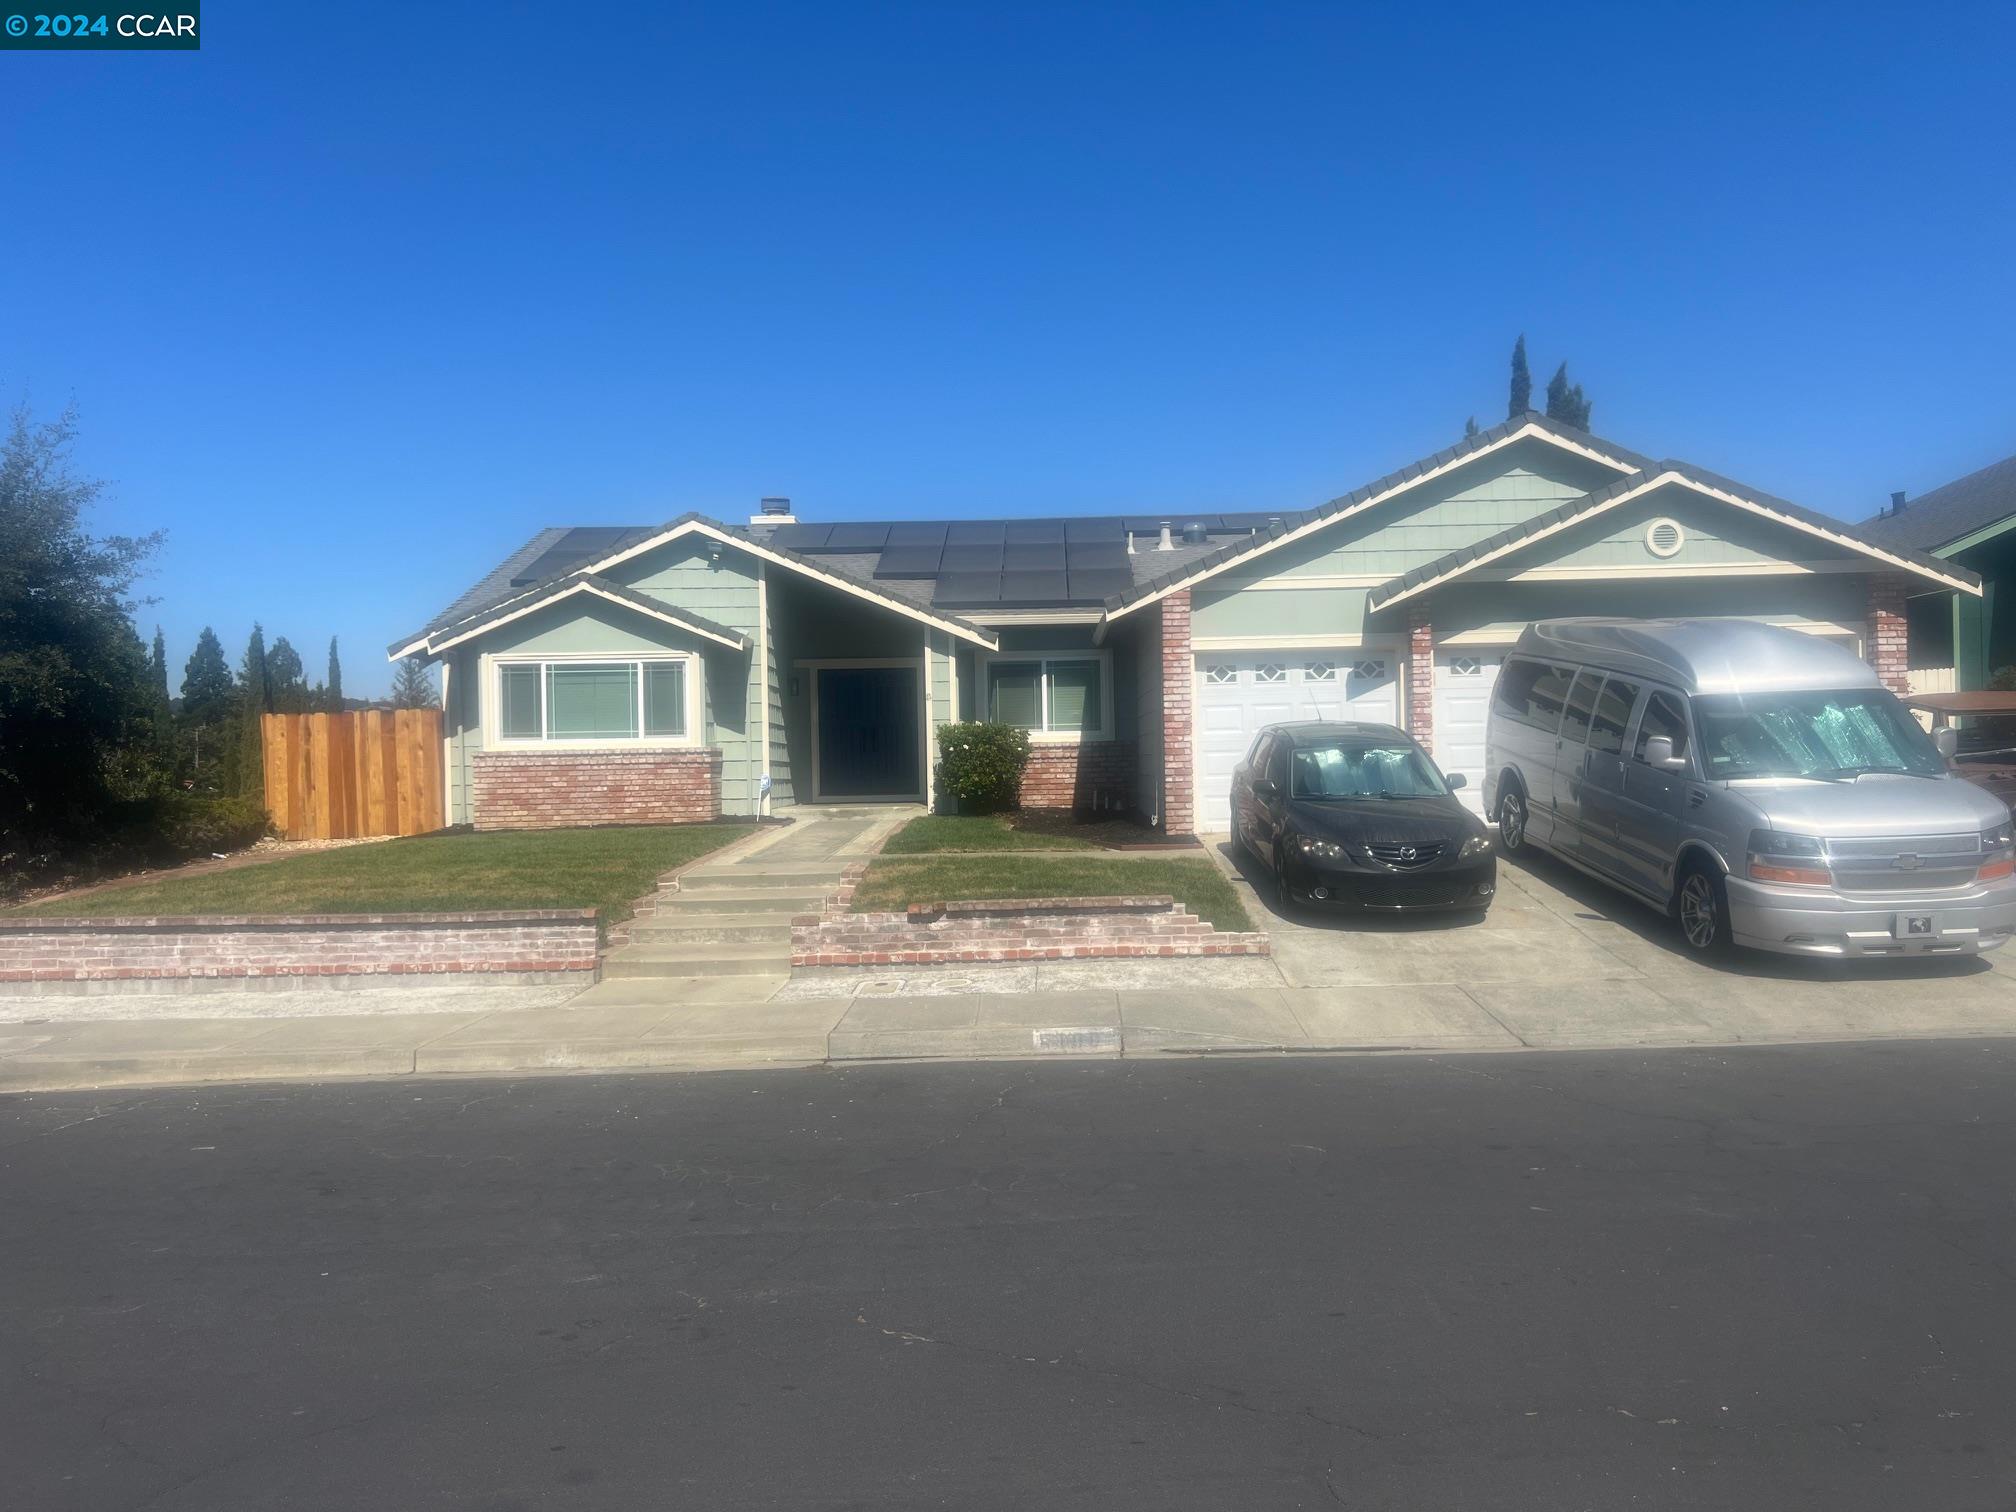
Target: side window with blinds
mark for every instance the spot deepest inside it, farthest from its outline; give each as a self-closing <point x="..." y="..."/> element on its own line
<point x="1581" y="705"/>
<point x="1612" y="716"/>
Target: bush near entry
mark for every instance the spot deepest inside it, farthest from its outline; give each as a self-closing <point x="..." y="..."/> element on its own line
<point x="981" y="764"/>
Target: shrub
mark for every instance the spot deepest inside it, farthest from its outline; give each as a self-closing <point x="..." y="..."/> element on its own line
<point x="981" y="764"/>
<point x="201" y="826"/>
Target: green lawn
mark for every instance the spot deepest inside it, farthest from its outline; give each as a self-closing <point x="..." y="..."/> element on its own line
<point x="937" y="834"/>
<point x="897" y="882"/>
<point x="603" y="869"/>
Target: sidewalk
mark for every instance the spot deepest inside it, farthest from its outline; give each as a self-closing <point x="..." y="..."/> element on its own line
<point x="621" y="1026"/>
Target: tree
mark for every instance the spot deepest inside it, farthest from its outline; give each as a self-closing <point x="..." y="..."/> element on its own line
<point x="244" y="755"/>
<point x="73" y="675"/>
<point x="286" y="680"/>
<point x="1565" y="402"/>
<point x="332" y="692"/>
<point x="1522" y="381"/>
<point x="1469" y="427"/>
<point x="413" y="685"/>
<point x="157" y="697"/>
<point x="207" y="695"/>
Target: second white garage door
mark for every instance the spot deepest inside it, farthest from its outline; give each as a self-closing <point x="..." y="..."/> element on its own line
<point x="1463" y="683"/>
<point x="1239" y="692"/>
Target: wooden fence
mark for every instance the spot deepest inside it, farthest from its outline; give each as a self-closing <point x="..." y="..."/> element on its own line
<point x="340" y="776"/>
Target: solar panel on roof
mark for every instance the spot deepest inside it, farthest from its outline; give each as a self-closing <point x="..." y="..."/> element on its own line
<point x="971" y="558"/>
<point x="957" y="588"/>
<point x="1084" y="556"/>
<point x="909" y="561"/>
<point x="1106" y="528"/>
<point x="1100" y="583"/>
<point x="1024" y="532"/>
<point x="917" y="533"/>
<point x="975" y="533"/>
<point x="800" y="537"/>
<point x="576" y="548"/>
<point x="1034" y="588"/>
<point x="1149" y="524"/>
<point x="857" y="537"/>
<point x="1046" y="556"/>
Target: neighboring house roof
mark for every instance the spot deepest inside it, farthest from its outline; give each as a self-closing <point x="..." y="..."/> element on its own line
<point x="1967" y="506"/>
<point x="624" y="542"/>
<point x="528" y="601"/>
<point x="1658" y="475"/>
<point x="1531" y="425"/>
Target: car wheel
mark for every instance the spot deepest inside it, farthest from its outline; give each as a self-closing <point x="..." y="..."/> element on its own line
<point x="1512" y="821"/>
<point x="1284" y="899"/>
<point x="1702" y="908"/>
<point x="1239" y="845"/>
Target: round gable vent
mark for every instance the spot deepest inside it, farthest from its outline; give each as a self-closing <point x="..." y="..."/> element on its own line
<point x="1664" y="538"/>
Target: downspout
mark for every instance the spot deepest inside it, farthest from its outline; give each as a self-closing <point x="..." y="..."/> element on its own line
<point x="762" y="803"/>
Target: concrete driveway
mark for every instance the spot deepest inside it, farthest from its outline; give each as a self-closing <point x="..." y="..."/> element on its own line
<point x="1560" y="950"/>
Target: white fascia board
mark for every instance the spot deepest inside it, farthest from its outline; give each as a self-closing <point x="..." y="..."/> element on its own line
<point x="668" y="615"/>
<point x="1525" y="432"/>
<point x="790" y="564"/>
<point x="1659" y="480"/>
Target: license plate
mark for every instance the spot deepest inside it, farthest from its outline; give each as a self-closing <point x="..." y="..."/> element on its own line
<point x="1916" y="927"/>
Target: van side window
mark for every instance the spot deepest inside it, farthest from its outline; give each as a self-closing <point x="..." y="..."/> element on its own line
<point x="1581" y="704"/>
<point x="1613" y="713"/>
<point x="1549" y="697"/>
<point x="1512" y="694"/>
<point x="1663" y="716"/>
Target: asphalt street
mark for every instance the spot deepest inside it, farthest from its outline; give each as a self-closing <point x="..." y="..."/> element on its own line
<point x="1767" y="1278"/>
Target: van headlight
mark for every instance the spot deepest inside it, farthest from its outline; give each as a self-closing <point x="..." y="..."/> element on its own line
<point x="1800" y="860"/>
<point x="1998" y="854"/>
<point x="1312" y="849"/>
<point x="1476" y="845"/>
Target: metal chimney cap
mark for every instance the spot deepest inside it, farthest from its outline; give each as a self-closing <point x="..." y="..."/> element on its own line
<point x="776" y="506"/>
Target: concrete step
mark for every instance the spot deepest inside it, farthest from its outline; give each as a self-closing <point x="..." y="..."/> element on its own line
<point x="702" y="928"/>
<point x="652" y="959"/>
<point x="786" y="874"/>
<point x="742" y="900"/>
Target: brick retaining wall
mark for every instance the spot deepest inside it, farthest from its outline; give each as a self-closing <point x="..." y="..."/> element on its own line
<point x="1007" y="929"/>
<point x="1097" y="776"/>
<point x="568" y="789"/>
<point x="317" y="948"/>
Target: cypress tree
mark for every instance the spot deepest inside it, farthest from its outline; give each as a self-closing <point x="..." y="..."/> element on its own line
<point x="206" y="682"/>
<point x="158" y="699"/>
<point x="286" y="679"/>
<point x="1522" y="381"/>
<point x="1469" y="427"/>
<point x="245" y="765"/>
<point x="1565" y="401"/>
<point x="413" y="685"/>
<point x="333" y="693"/>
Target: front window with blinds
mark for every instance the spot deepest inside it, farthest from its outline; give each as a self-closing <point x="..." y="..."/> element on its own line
<point x="594" y="701"/>
<point x="1049" y="694"/>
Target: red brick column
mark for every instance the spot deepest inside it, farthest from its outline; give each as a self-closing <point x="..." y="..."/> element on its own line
<point x="1887" y="643"/>
<point x="1179" y="772"/>
<point x="1421" y="675"/>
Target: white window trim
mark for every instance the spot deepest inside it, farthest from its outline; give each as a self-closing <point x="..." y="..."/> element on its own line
<point x="494" y="738"/>
<point x="984" y="705"/>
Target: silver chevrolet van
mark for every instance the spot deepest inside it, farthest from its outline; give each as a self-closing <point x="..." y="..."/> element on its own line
<point x="1759" y="784"/>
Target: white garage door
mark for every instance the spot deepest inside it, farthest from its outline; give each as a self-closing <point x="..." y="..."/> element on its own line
<point x="1238" y="692"/>
<point x="1463" y="683"/>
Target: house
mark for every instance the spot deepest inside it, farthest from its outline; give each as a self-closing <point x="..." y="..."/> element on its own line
<point x="1960" y="640"/>
<point x="664" y="672"/>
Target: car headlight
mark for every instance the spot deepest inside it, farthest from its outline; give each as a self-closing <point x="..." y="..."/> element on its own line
<point x="1998" y="854"/>
<point x="1318" y="850"/>
<point x="1801" y="860"/>
<point x="1476" y="845"/>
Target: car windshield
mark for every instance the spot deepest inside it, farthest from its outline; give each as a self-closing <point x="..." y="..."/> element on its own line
<point x="1827" y="735"/>
<point x="1362" y="769"/>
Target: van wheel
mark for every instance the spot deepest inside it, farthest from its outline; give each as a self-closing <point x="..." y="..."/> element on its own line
<point x="1512" y="821"/>
<point x="1702" y="908"/>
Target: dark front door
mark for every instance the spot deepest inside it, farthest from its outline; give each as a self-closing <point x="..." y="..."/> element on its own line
<point x="869" y="739"/>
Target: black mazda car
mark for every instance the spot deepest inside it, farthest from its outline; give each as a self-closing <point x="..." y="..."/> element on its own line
<point x="1357" y="816"/>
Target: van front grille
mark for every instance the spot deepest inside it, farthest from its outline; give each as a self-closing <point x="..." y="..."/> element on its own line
<point x="1898" y="865"/>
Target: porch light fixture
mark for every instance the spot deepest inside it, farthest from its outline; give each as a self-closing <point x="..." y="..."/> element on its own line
<point x="714" y="551"/>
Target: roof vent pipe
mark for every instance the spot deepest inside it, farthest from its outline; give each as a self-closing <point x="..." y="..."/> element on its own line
<point x="1164" y="543"/>
<point x="1130" y="543"/>
<point x="773" y="512"/>
<point x="1897" y="502"/>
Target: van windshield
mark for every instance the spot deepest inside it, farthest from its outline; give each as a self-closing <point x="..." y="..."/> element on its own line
<point x="1371" y="769"/>
<point x="1829" y="735"/>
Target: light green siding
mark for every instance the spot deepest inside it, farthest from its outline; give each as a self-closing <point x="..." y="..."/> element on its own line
<point x="1503" y="610"/>
<point x="1286" y="611"/>
<point x="1713" y="534"/>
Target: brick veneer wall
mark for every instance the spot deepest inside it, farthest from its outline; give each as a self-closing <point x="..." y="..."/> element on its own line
<point x="1887" y="643"/>
<point x="564" y="789"/>
<point x="1007" y="929"/>
<point x="1421" y="675"/>
<point x="1179" y="677"/>
<point x="1097" y="775"/>
<point x="314" y="947"/>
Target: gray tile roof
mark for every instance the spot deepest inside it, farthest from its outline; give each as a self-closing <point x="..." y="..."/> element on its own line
<point x="1944" y="515"/>
<point x="1590" y="503"/>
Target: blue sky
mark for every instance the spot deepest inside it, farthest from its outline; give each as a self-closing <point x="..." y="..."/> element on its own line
<point x="354" y="299"/>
